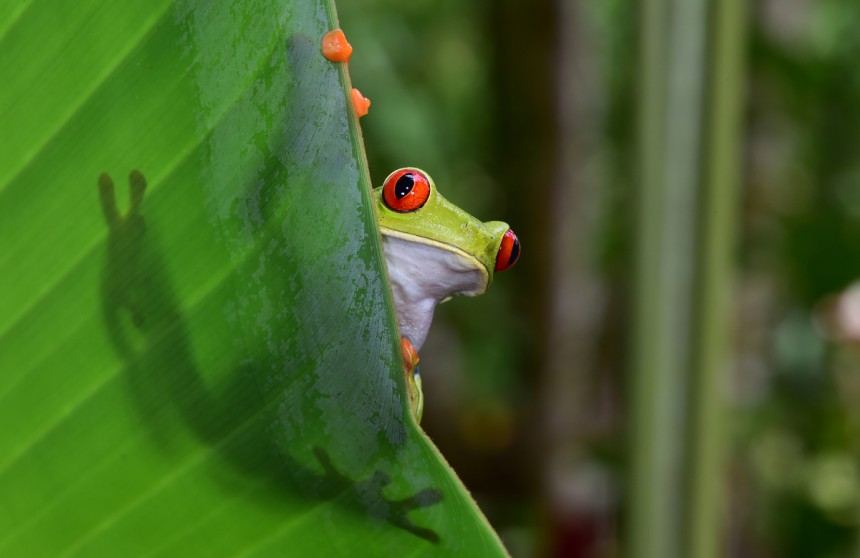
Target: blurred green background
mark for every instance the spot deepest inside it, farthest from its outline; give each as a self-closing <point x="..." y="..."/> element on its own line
<point x="540" y="393"/>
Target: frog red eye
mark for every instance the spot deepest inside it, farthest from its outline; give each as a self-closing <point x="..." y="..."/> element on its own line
<point x="406" y="190"/>
<point x="509" y="251"/>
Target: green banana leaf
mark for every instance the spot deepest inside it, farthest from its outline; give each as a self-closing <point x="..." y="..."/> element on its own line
<point x="198" y="354"/>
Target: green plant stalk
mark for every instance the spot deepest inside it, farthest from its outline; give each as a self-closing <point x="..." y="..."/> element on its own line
<point x="671" y="66"/>
<point x="643" y="537"/>
<point x="714" y="282"/>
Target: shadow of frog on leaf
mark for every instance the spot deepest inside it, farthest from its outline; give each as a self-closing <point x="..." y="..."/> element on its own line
<point x="145" y="325"/>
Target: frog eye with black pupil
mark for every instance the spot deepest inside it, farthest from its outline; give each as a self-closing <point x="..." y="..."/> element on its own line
<point x="406" y="190"/>
<point x="509" y="251"/>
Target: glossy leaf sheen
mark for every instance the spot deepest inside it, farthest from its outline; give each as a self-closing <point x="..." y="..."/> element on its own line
<point x="198" y="354"/>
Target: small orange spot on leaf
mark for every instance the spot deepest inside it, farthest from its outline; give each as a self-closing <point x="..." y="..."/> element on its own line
<point x="360" y="103"/>
<point x="335" y="47"/>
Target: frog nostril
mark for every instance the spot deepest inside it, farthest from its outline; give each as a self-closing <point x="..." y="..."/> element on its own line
<point x="509" y="251"/>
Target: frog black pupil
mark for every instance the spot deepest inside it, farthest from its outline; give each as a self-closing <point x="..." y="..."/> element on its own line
<point x="403" y="186"/>
<point x="515" y="253"/>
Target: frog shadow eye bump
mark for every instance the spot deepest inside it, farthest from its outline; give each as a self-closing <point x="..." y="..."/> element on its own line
<point x="406" y="190"/>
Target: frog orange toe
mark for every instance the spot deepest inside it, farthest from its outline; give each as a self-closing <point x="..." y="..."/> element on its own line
<point x="360" y="103"/>
<point x="335" y="46"/>
<point x="410" y="355"/>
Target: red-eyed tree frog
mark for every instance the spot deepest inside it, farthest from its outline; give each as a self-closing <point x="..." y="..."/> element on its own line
<point x="434" y="251"/>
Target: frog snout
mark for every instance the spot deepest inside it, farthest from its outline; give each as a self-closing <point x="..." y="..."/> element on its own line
<point x="509" y="251"/>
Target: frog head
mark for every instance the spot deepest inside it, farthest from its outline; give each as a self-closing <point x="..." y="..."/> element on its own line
<point x="434" y="250"/>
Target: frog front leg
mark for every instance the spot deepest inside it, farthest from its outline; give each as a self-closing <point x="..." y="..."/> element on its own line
<point x="413" y="379"/>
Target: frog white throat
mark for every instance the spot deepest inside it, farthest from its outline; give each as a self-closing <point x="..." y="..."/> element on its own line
<point x="423" y="275"/>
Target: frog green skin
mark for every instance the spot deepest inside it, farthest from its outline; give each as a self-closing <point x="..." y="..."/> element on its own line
<point x="434" y="251"/>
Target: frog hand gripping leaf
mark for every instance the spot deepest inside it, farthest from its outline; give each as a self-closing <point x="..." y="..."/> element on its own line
<point x="434" y="251"/>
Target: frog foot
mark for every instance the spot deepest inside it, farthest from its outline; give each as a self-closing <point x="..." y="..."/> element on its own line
<point x="360" y="103"/>
<point x="369" y="493"/>
<point x="335" y="47"/>
<point x="413" y="379"/>
<point x="410" y="355"/>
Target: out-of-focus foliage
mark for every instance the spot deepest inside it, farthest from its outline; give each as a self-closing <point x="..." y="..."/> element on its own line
<point x="798" y="449"/>
<point x="479" y="102"/>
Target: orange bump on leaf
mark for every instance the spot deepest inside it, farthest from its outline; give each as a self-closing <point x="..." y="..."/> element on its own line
<point x="360" y="103"/>
<point x="335" y="47"/>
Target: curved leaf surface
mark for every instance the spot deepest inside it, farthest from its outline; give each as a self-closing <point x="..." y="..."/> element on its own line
<point x="198" y="354"/>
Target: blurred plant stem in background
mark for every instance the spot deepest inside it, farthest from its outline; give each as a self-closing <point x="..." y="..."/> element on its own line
<point x="577" y="489"/>
<point x="689" y="145"/>
<point x="715" y="285"/>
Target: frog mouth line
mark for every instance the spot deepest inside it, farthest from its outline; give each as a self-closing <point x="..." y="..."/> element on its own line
<point x="442" y="246"/>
